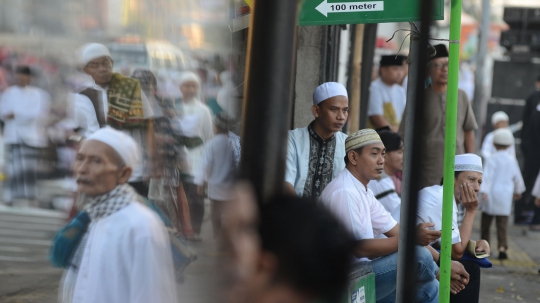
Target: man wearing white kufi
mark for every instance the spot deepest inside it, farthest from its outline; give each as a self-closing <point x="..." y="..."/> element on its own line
<point x="196" y="121"/>
<point x="467" y="178"/>
<point x="354" y="204"/>
<point x="315" y="153"/>
<point x="124" y="255"/>
<point x="111" y="99"/>
<point x="498" y="120"/>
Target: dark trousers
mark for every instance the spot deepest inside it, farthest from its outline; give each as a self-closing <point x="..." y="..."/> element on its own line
<point x="502" y="226"/>
<point x="196" y="206"/>
<point x="471" y="293"/>
<point x="536" y="218"/>
<point x="140" y="187"/>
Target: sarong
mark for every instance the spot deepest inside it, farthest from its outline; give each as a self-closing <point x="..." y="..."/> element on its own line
<point x="21" y="172"/>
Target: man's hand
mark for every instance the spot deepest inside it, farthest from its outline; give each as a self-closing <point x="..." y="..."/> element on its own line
<point x="425" y="236"/>
<point x="517" y="197"/>
<point x="200" y="190"/>
<point x="459" y="277"/>
<point x="469" y="198"/>
<point x="483" y="245"/>
<point x="537" y="202"/>
<point x="10" y="116"/>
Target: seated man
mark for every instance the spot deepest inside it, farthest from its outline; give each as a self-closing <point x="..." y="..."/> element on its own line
<point x="467" y="178"/>
<point x="300" y="254"/>
<point x="384" y="188"/>
<point x="349" y="198"/>
<point x="315" y="153"/>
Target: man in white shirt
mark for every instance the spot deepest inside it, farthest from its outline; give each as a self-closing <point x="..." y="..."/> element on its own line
<point x="468" y="177"/>
<point x="24" y="110"/>
<point x="386" y="97"/>
<point x="114" y="100"/>
<point x="384" y="188"/>
<point x="315" y="153"/>
<point x="195" y="121"/>
<point x="124" y="254"/>
<point x="349" y="198"/>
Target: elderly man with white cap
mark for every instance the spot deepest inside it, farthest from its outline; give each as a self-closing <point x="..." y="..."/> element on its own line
<point x="349" y="198"/>
<point x="315" y="153"/>
<point x="117" y="249"/>
<point x="114" y="100"/>
<point x="467" y="181"/>
<point x="195" y="121"/>
<point x="498" y="120"/>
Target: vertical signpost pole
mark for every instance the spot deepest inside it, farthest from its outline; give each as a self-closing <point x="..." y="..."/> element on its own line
<point x="450" y="150"/>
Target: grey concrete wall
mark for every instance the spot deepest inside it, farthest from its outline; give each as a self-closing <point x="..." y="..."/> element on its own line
<point x="307" y="72"/>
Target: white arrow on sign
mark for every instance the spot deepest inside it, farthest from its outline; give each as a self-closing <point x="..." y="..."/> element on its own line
<point x="349" y="7"/>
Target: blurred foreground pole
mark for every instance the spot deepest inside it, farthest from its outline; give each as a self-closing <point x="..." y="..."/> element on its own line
<point x="450" y="151"/>
<point x="268" y="94"/>
<point x="480" y="75"/>
<point x="413" y="155"/>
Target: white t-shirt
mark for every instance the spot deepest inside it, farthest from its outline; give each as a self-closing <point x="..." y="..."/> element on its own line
<point x="217" y="167"/>
<point x="430" y="202"/>
<point x="381" y="93"/>
<point x="389" y="199"/>
<point x="356" y="207"/>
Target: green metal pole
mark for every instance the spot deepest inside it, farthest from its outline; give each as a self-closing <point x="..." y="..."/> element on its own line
<point x="450" y="151"/>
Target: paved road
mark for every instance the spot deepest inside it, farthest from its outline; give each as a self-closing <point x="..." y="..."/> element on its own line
<point x="27" y="277"/>
<point x="25" y="237"/>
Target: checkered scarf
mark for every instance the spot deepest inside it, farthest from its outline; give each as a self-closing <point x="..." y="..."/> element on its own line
<point x="111" y="202"/>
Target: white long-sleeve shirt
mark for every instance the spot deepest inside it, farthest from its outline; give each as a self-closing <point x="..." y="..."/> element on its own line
<point x="217" y="167"/>
<point x="501" y="180"/>
<point x="30" y="107"/>
<point x="127" y="259"/>
<point x="195" y="110"/>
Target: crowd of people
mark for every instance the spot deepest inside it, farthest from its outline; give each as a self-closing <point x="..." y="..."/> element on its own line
<point x="146" y="150"/>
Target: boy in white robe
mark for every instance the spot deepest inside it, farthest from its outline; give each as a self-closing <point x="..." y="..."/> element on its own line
<point x="503" y="183"/>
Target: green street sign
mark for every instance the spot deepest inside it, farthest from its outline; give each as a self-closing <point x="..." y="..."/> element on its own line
<point x="329" y="12"/>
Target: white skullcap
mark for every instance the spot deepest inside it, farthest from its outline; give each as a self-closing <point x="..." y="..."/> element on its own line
<point x="328" y="90"/>
<point x="503" y="136"/>
<point x="93" y="51"/>
<point x="188" y="77"/>
<point x="123" y="144"/>
<point x="498" y="117"/>
<point x="468" y="162"/>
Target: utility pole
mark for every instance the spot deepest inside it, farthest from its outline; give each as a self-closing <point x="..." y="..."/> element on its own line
<point x="479" y="96"/>
<point x="268" y="93"/>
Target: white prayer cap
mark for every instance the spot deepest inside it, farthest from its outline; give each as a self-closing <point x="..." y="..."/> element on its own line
<point x="91" y="51"/>
<point x="184" y="77"/>
<point x="122" y="143"/>
<point x="503" y="136"/>
<point x="498" y="117"/>
<point x="328" y="90"/>
<point x="468" y="162"/>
